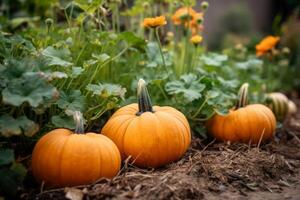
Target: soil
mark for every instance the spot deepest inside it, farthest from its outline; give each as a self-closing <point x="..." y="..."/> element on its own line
<point x="209" y="170"/>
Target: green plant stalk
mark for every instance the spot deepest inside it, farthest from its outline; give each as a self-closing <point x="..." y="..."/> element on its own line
<point x="160" y="49"/>
<point x="199" y="109"/>
<point x="105" y="63"/>
<point x="162" y="91"/>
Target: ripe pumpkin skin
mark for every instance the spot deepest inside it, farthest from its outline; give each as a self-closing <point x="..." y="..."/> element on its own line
<point x="244" y="125"/>
<point x="247" y="123"/>
<point x="62" y="158"/>
<point x="153" y="139"/>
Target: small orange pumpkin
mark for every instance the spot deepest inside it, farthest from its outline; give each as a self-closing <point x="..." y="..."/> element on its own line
<point x="65" y="158"/>
<point x="152" y="136"/>
<point x="246" y="123"/>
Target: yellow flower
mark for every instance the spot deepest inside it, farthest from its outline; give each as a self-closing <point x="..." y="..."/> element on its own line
<point x="266" y="45"/>
<point x="196" y="39"/>
<point x="154" y="22"/>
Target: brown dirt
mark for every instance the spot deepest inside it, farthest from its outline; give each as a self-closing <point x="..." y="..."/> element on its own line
<point x="207" y="171"/>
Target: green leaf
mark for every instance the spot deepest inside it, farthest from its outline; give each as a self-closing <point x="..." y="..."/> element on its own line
<point x="72" y="100"/>
<point x="30" y="88"/>
<point x="213" y="59"/>
<point x="188" y="85"/>
<point x="6" y="156"/>
<point x="76" y="71"/>
<point x="132" y="40"/>
<point x="63" y="122"/>
<point x="107" y="90"/>
<point x="10" y="126"/>
<point x="251" y="63"/>
<point x="101" y="58"/>
<point x="58" y="57"/>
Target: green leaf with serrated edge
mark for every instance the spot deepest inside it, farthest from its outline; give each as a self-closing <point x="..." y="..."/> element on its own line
<point x="10" y="126"/>
<point x="106" y="90"/>
<point x="76" y="71"/>
<point x="213" y="59"/>
<point x="72" y="100"/>
<point x="132" y="40"/>
<point x="188" y="85"/>
<point x="30" y="88"/>
<point x="63" y="121"/>
<point x="58" y="57"/>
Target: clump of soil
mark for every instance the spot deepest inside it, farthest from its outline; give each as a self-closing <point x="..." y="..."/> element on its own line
<point x="206" y="172"/>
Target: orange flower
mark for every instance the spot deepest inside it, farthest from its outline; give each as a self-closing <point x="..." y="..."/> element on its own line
<point x="266" y="44"/>
<point x="183" y="15"/>
<point x="154" y="22"/>
<point x="198" y="18"/>
<point x="196" y="39"/>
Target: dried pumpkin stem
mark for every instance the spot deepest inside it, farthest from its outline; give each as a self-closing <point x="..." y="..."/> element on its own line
<point x="243" y="96"/>
<point x="144" y="100"/>
<point x="79" y="125"/>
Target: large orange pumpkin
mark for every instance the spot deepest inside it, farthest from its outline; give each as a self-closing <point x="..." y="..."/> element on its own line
<point x="246" y="123"/>
<point x="65" y="158"/>
<point x="152" y="136"/>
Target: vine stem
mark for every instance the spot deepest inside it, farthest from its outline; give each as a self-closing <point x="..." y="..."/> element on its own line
<point x="160" y="48"/>
<point x="104" y="63"/>
<point x="199" y="109"/>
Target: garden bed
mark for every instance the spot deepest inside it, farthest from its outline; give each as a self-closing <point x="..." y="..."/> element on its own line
<point x="209" y="170"/>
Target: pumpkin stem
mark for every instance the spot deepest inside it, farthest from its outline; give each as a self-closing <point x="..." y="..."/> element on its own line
<point x="144" y="100"/>
<point x="243" y="96"/>
<point x="79" y="125"/>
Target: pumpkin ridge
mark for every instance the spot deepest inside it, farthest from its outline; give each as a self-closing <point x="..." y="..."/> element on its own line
<point x="261" y="130"/>
<point x="271" y="118"/>
<point x="182" y="147"/>
<point x="180" y="119"/>
<point x="50" y="144"/>
<point x="123" y="138"/>
<point x="236" y="131"/>
<point x="37" y="154"/>
<point x="99" y="155"/>
<point x="269" y="131"/>
<point x="249" y="129"/>
<point x="59" y="177"/>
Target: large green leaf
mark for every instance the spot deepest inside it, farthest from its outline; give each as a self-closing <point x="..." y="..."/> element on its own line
<point x="63" y="121"/>
<point x="132" y="40"/>
<point x="58" y="57"/>
<point x="213" y="59"/>
<point x="10" y="126"/>
<point x="30" y="88"/>
<point x="188" y="86"/>
<point x="71" y="100"/>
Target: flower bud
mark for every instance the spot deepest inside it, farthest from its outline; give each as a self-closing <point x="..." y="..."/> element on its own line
<point x="204" y="5"/>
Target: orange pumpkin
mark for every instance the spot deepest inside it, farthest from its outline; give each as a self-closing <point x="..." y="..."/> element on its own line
<point x="246" y="123"/>
<point x="65" y="158"/>
<point x="152" y="136"/>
